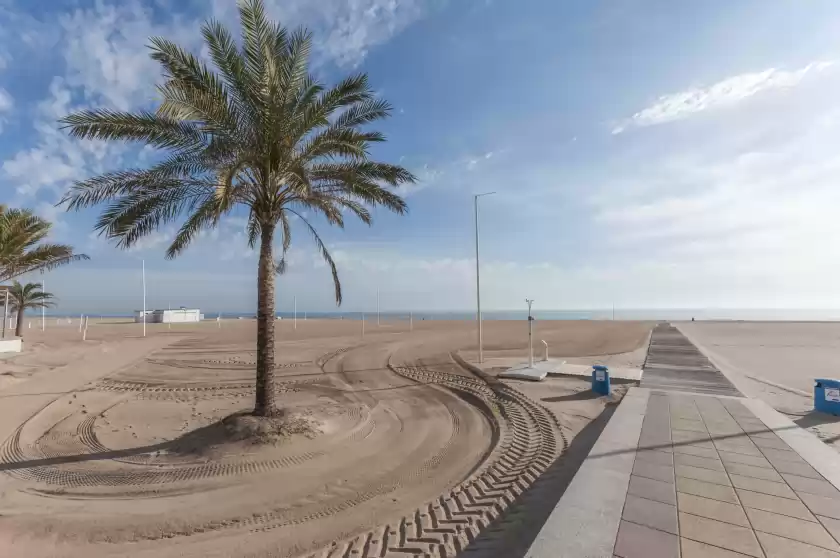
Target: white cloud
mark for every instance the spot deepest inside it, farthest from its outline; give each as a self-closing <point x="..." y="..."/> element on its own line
<point x="732" y="90"/>
<point x="345" y="30"/>
<point x="154" y="240"/>
<point x="104" y="48"/>
<point x="737" y="225"/>
<point x="7" y="103"/>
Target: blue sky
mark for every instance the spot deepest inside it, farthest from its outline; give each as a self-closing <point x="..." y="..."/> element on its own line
<point x="647" y="154"/>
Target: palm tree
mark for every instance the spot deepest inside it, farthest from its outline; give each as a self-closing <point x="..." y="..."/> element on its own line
<point x="258" y="132"/>
<point x="21" y="246"/>
<point x="27" y="297"/>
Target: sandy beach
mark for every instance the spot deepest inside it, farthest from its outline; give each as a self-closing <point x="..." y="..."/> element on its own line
<point x="114" y="446"/>
<point x="776" y="362"/>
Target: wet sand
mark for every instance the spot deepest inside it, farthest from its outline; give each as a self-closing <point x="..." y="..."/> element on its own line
<point x="114" y="446"/>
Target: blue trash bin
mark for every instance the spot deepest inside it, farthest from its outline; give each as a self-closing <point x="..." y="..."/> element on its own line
<point x="601" y="379"/>
<point x="827" y="396"/>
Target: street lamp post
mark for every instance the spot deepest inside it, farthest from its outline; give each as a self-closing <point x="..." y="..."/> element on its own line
<point x="478" y="279"/>
<point x="530" y="334"/>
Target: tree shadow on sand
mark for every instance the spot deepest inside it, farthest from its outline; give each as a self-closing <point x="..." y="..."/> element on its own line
<point x="238" y="429"/>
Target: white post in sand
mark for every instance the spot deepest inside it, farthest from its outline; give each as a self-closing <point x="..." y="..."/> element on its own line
<point x="530" y="335"/>
<point x="478" y="280"/>
<point x="84" y="331"/>
<point x="295" y="312"/>
<point x="5" y="313"/>
<point x="219" y="320"/>
<point x="545" y="355"/>
<point x="81" y="319"/>
<point x="43" y="318"/>
<point x="144" y="298"/>
<point x="410" y="321"/>
<point x="363" y="324"/>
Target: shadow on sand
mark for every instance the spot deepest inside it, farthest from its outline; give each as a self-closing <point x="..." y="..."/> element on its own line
<point x="513" y="532"/>
<point x="200" y="441"/>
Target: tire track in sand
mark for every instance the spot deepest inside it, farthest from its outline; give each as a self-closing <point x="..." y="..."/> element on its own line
<point x="445" y="526"/>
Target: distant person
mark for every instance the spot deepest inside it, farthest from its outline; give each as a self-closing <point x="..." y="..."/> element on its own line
<point x="692" y="318"/>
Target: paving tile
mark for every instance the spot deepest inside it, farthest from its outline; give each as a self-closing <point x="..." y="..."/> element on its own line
<point x="832" y="525"/>
<point x="780" y="547"/>
<point x="773" y="455"/>
<point x="769" y="435"/>
<point x="792" y="528"/>
<point x="770" y="443"/>
<point x="753" y="460"/>
<point x="705" y="475"/>
<point x="800" y="469"/>
<point x="724" y="535"/>
<point x="821" y="505"/>
<point x="699" y="451"/>
<point x="702" y="462"/>
<point x="691" y="425"/>
<point x="775" y="504"/>
<point x="811" y="486"/>
<point x="763" y="486"/>
<point x="653" y="471"/>
<point x="650" y="514"/>
<point x="637" y="541"/>
<point x="754" y="472"/>
<point x="707" y="490"/>
<point x="723" y="431"/>
<point x="657" y="457"/>
<point x="694" y="549"/>
<point x="712" y="509"/>
<point x="652" y="490"/>
<point x="688" y="436"/>
<point x="753" y="426"/>
<point x="743" y="449"/>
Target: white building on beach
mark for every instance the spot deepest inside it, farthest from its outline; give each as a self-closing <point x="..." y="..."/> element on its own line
<point x="172" y="316"/>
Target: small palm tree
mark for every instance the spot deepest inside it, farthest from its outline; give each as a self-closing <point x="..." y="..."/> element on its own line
<point x="27" y="297"/>
<point x="259" y="132"/>
<point x="21" y="246"/>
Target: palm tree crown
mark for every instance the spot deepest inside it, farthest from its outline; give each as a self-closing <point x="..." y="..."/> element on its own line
<point x="22" y="248"/>
<point x="27" y="297"/>
<point x="260" y="132"/>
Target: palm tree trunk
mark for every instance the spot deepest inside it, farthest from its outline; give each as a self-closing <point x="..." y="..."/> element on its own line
<point x="19" y="325"/>
<point x="264" y="405"/>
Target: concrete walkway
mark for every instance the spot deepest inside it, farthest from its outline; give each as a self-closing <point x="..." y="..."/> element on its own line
<point x="698" y="476"/>
<point x="688" y="473"/>
<point x="673" y="362"/>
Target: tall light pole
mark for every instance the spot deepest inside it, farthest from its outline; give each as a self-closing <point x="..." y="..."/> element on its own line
<point x="144" y="298"/>
<point x="478" y="279"/>
<point x="530" y="334"/>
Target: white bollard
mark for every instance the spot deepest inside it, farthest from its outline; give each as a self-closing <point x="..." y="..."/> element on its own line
<point x="84" y="332"/>
<point x="363" y="324"/>
<point x="545" y="347"/>
<point x="81" y="319"/>
<point x="410" y="321"/>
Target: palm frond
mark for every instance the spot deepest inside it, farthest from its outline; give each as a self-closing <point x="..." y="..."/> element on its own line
<point x="143" y="126"/>
<point x="325" y="254"/>
<point x="21" y="246"/>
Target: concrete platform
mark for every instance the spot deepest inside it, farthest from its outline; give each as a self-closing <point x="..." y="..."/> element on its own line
<point x="694" y="475"/>
<point x="558" y="367"/>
